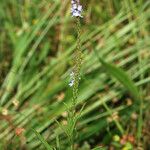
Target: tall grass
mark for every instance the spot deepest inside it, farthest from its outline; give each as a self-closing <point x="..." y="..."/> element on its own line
<point x="37" y="44"/>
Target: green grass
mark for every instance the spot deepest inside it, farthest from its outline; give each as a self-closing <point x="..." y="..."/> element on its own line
<point x="37" y="44"/>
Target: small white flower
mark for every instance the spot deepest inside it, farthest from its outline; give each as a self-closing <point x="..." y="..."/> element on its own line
<point x="73" y="1"/>
<point x="72" y="74"/>
<point x="74" y="6"/>
<point x="71" y="79"/>
<point x="80" y="8"/>
<point x="71" y="83"/>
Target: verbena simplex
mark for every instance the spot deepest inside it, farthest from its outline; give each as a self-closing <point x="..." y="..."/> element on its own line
<point x="76" y="11"/>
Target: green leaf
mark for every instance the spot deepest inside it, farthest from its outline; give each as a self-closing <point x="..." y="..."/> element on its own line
<point x="121" y="76"/>
<point x="46" y="145"/>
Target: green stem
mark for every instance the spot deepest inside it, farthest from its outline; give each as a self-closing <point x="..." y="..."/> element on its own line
<point x="77" y="68"/>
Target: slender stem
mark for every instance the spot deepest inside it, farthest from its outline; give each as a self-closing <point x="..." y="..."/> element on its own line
<point x="78" y="61"/>
<point x="77" y="68"/>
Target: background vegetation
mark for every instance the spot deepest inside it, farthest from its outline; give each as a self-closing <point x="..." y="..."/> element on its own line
<point x="37" y="41"/>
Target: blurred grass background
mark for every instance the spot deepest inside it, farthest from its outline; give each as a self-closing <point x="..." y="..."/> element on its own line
<point x="37" y="41"/>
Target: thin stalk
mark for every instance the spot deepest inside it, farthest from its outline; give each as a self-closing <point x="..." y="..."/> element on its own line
<point x="77" y="68"/>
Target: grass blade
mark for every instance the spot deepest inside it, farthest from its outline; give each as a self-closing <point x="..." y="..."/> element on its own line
<point x="46" y="145"/>
<point x="121" y="76"/>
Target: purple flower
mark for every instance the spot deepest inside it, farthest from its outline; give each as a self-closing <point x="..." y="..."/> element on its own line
<point x="76" y="8"/>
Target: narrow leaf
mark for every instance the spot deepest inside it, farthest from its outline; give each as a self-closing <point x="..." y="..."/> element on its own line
<point x="121" y="76"/>
<point x="46" y="145"/>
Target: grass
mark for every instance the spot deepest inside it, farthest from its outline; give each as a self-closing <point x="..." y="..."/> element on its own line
<point x="37" y="44"/>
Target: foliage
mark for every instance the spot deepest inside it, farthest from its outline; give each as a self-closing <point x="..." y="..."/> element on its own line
<point x="37" y="44"/>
